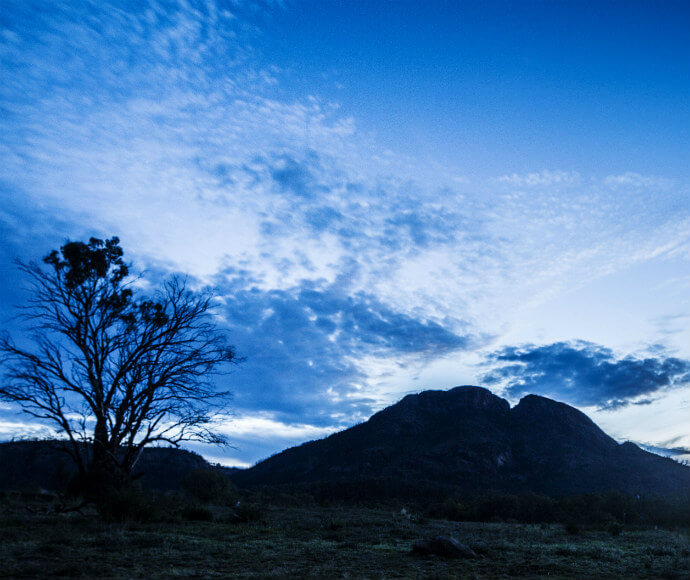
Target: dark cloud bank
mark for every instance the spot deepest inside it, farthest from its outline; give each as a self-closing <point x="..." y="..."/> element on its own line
<point x="304" y="344"/>
<point x="583" y="373"/>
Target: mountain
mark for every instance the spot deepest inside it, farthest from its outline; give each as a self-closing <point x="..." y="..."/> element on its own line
<point x="469" y="439"/>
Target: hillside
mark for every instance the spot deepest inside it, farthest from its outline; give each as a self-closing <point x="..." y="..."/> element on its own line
<point x="30" y="464"/>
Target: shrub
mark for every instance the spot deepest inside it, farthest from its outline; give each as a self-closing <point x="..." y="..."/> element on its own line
<point x="498" y="507"/>
<point x="126" y="504"/>
<point x="197" y="513"/>
<point x="209" y="486"/>
<point x="534" y="508"/>
<point x="572" y="528"/>
<point x="247" y="512"/>
<point x="333" y="524"/>
<point x="450" y="510"/>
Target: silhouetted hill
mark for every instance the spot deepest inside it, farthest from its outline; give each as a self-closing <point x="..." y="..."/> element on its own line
<point x="471" y="440"/>
<point x="30" y="464"/>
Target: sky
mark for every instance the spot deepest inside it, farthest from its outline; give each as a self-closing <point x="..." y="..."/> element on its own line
<point x="385" y="197"/>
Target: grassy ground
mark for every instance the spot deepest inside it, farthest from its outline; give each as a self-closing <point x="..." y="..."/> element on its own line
<point x="323" y="543"/>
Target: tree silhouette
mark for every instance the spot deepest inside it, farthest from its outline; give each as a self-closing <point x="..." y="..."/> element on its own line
<point x="113" y="371"/>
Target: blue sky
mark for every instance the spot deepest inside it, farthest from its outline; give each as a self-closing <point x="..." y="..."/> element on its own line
<point x="386" y="197"/>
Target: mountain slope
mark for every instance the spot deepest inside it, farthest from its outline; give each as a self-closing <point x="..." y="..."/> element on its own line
<point x="470" y="439"/>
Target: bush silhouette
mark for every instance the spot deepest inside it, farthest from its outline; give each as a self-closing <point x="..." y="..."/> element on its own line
<point x="126" y="504"/>
<point x="209" y="486"/>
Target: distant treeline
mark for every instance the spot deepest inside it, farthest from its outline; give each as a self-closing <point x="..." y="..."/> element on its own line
<point x="448" y="502"/>
<point x="41" y="464"/>
<point x="585" y="509"/>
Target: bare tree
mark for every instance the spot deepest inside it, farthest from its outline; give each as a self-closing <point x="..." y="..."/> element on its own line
<point x="113" y="372"/>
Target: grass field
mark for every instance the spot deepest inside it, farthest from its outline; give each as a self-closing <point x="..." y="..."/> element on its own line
<point x="323" y="543"/>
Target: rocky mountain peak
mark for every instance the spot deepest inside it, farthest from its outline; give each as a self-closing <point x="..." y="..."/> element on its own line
<point x="462" y="398"/>
<point x="477" y="398"/>
<point x="549" y="416"/>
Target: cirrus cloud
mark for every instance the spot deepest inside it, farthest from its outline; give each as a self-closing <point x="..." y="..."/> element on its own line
<point x="632" y="180"/>
<point x="543" y="178"/>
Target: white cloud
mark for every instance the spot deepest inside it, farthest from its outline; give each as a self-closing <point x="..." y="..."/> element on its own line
<point x="254" y="436"/>
<point x="637" y="181"/>
<point x="24" y="430"/>
<point x="227" y="461"/>
<point x="266" y="426"/>
<point x="543" y="178"/>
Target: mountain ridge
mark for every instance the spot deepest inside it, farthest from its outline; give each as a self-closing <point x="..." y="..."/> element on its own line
<point x="472" y="440"/>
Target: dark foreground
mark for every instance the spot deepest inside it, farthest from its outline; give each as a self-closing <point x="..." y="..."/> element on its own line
<point x="324" y="543"/>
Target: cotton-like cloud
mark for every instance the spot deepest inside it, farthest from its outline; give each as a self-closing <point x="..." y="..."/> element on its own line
<point x="583" y="373"/>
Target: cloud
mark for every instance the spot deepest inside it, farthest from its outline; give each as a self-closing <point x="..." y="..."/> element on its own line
<point x="22" y="429"/>
<point x="163" y="124"/>
<point x="631" y="180"/>
<point x="312" y="192"/>
<point x="543" y="178"/>
<point x="256" y="436"/>
<point x="295" y="178"/>
<point x="583" y="373"/>
<point x="265" y="425"/>
<point x="678" y="453"/>
<point x="306" y="347"/>
<point x="671" y="324"/>
<point x="160" y="124"/>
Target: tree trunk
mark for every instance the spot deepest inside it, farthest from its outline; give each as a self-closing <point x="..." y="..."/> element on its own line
<point x="104" y="472"/>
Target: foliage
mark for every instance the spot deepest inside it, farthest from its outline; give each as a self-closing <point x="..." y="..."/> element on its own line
<point x="599" y="510"/>
<point x="451" y="510"/>
<point x="572" y="528"/>
<point x="126" y="503"/>
<point x="611" y="511"/>
<point x="110" y="367"/>
<point x="197" y="513"/>
<point x="244" y="512"/>
<point x="209" y="486"/>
